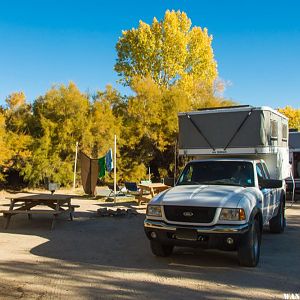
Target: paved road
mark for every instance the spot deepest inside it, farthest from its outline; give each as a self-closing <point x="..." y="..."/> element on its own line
<point x="109" y="258"/>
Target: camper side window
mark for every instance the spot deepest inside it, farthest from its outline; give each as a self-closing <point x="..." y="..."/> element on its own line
<point x="266" y="170"/>
<point x="260" y="172"/>
<point x="274" y="129"/>
<point x="284" y="132"/>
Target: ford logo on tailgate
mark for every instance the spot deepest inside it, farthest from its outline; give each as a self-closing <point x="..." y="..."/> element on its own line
<point x="188" y="214"/>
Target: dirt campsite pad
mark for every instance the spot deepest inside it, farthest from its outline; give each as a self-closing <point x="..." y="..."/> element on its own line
<point x="96" y="257"/>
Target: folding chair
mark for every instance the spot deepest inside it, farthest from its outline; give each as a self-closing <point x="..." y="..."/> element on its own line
<point x="132" y="188"/>
<point x="119" y="192"/>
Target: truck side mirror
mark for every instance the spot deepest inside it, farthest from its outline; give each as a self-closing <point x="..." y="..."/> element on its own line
<point x="270" y="183"/>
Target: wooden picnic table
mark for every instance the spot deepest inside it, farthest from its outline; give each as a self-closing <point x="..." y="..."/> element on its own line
<point x="57" y="203"/>
<point x="151" y="189"/>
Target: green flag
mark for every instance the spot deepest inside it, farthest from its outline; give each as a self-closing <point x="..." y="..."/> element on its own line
<point x="102" y="167"/>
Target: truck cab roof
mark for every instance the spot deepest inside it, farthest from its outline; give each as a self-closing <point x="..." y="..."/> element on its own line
<point x="227" y="159"/>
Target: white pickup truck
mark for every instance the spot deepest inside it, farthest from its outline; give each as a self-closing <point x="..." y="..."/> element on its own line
<point x="226" y="193"/>
<point x="217" y="203"/>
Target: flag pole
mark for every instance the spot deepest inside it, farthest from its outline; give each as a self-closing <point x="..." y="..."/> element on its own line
<point x="175" y="161"/>
<point x="115" y="170"/>
<point x="75" y="165"/>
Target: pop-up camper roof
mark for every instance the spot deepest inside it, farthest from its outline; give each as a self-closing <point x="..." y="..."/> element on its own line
<point x="294" y="140"/>
<point x="239" y="129"/>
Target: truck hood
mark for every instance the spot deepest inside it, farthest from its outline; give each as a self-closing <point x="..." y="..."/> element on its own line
<point x="201" y="195"/>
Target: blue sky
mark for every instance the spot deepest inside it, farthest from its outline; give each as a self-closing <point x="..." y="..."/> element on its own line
<point x="256" y="44"/>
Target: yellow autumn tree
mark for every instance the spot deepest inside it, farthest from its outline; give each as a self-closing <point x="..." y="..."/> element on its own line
<point x="62" y="118"/>
<point x="103" y="124"/>
<point x="5" y="152"/>
<point x="293" y="114"/>
<point x="170" y="67"/>
<point x="18" y="121"/>
<point x="170" y="51"/>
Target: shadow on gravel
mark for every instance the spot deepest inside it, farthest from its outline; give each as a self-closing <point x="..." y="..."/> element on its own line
<point x="93" y="249"/>
<point x="98" y="282"/>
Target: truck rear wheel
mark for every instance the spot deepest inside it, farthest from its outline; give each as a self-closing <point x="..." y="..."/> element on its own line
<point x="277" y="223"/>
<point x="160" y="250"/>
<point x="249" y="248"/>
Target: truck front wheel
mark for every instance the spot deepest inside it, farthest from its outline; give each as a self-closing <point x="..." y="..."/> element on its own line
<point x="249" y="247"/>
<point x="160" y="250"/>
<point x="277" y="223"/>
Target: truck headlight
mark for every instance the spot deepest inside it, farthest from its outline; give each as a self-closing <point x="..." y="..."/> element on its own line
<point x="232" y="214"/>
<point x="154" y="210"/>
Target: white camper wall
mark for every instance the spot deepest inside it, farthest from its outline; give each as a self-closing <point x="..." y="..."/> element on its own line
<point x="278" y="164"/>
<point x="286" y="166"/>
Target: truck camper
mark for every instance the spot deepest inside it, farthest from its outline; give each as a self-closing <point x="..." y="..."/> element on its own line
<point x="232" y="186"/>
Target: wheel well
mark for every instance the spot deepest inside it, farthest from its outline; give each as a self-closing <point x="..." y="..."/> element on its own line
<point x="258" y="217"/>
<point x="256" y="214"/>
<point x="282" y="198"/>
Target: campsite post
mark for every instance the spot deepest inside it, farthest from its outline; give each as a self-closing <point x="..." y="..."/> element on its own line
<point x="115" y="169"/>
<point x="175" y="162"/>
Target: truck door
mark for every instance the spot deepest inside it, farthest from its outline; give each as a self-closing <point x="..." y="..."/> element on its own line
<point x="267" y="193"/>
<point x="274" y="194"/>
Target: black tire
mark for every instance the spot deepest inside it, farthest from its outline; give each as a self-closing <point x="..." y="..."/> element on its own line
<point x="160" y="250"/>
<point x="249" y="246"/>
<point x="277" y="223"/>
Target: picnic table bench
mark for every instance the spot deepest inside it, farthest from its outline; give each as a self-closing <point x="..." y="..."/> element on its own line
<point x="57" y="203"/>
<point x="151" y="189"/>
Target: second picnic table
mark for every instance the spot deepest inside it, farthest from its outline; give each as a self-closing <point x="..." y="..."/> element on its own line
<point x="152" y="189"/>
<point x="57" y="203"/>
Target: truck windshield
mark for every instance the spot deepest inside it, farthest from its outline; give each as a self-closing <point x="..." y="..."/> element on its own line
<point x="237" y="173"/>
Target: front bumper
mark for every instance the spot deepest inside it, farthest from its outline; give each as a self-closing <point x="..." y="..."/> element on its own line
<point x="207" y="236"/>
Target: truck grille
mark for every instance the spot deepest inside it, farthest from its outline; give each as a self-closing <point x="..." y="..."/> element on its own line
<point x="190" y="214"/>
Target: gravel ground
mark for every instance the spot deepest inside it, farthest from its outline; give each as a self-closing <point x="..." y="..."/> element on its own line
<point x="109" y="258"/>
